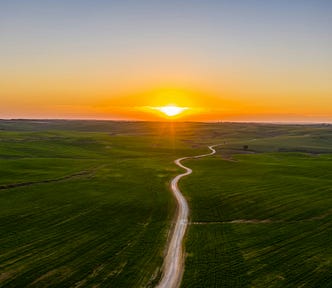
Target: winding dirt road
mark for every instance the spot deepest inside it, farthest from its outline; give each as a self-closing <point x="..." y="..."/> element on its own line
<point x="173" y="266"/>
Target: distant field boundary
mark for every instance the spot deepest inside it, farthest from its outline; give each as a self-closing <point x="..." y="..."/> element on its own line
<point x="263" y="221"/>
<point x="15" y="185"/>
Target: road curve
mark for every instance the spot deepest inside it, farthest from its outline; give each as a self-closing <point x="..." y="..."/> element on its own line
<point x="173" y="266"/>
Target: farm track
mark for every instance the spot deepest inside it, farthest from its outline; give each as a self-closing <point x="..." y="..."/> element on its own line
<point x="14" y="185"/>
<point x="173" y="266"/>
<point x="264" y="221"/>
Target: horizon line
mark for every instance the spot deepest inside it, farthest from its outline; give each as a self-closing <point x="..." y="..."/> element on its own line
<point x="169" y="120"/>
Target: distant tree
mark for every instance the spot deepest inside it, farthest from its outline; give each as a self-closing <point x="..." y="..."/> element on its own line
<point x="245" y="147"/>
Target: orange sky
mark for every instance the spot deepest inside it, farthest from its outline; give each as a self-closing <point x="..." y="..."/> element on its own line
<point x="112" y="61"/>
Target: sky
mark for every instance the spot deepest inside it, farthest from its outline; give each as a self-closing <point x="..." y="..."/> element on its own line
<point x="235" y="60"/>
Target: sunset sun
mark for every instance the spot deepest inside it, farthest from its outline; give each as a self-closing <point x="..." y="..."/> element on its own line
<point x="171" y="110"/>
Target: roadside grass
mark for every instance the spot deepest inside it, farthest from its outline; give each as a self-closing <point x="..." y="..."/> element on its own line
<point x="214" y="258"/>
<point x="106" y="228"/>
<point x="259" y="255"/>
<point x="263" y="220"/>
<point x="276" y="186"/>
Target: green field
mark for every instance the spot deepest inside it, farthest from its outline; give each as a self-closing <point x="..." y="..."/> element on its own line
<point x="261" y="219"/>
<point x="87" y="203"/>
<point x="102" y="219"/>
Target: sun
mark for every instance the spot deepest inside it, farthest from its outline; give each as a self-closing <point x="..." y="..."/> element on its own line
<point x="171" y="110"/>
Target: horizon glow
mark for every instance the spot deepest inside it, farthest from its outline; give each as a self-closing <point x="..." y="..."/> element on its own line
<point x="226" y="60"/>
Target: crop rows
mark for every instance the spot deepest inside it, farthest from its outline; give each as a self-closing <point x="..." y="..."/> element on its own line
<point x="263" y="220"/>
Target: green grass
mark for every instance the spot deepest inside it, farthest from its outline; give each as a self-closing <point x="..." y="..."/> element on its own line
<point x="261" y="220"/>
<point x="104" y="219"/>
<point x="284" y="186"/>
<point x="107" y="227"/>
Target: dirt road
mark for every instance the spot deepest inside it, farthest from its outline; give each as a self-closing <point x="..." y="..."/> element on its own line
<point x="173" y="266"/>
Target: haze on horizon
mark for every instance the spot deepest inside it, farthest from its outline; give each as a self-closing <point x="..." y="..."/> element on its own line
<point x="225" y="60"/>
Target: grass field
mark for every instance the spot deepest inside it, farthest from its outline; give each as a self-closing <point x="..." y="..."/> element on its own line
<point x="102" y="220"/>
<point x="261" y="219"/>
<point x="87" y="203"/>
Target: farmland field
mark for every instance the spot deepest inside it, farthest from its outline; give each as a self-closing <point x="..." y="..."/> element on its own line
<point x="87" y="203"/>
<point x="261" y="219"/>
<point x="79" y="209"/>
